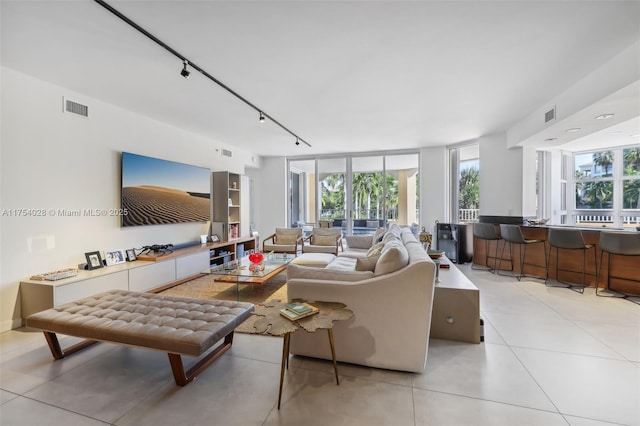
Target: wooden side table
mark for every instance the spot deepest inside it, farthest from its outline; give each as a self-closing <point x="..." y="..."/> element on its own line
<point x="274" y="324"/>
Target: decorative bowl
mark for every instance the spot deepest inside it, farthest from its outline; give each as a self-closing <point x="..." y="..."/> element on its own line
<point x="435" y="254"/>
<point x="256" y="257"/>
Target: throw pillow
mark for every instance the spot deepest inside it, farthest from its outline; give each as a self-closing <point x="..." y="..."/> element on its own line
<point x="287" y="236"/>
<point x="392" y="259"/>
<point x="377" y="237"/>
<point x="375" y="250"/>
<point x="366" y="263"/>
<point x="322" y="240"/>
<point x="285" y="240"/>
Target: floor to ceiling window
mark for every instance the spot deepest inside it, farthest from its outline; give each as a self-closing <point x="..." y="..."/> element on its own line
<point x="606" y="188"/>
<point x="355" y="192"/>
<point x="465" y="183"/>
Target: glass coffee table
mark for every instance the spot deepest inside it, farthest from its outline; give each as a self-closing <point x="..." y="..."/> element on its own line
<point x="238" y="271"/>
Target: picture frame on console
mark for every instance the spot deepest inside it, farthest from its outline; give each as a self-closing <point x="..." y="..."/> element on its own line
<point x="94" y="260"/>
<point x="114" y="257"/>
<point x="131" y="255"/>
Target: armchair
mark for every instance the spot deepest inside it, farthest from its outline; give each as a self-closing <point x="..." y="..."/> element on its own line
<point x="323" y="240"/>
<point x="284" y="240"/>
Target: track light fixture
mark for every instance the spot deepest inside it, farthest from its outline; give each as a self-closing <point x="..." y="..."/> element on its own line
<point x="185" y="72"/>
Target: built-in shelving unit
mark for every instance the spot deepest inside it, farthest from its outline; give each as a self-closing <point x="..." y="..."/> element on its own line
<point x="226" y="201"/>
<point x="227" y="251"/>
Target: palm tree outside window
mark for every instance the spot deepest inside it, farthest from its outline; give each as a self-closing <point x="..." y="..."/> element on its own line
<point x="607" y="188"/>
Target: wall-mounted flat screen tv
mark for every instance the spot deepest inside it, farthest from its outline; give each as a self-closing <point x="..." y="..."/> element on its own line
<point x="156" y="191"/>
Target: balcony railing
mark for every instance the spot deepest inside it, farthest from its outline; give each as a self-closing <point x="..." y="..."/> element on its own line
<point x="468" y="215"/>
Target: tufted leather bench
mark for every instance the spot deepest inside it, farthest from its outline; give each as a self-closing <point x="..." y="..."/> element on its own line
<point x="176" y="325"/>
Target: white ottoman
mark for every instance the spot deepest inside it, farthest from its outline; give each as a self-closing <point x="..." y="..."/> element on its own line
<point x="317" y="260"/>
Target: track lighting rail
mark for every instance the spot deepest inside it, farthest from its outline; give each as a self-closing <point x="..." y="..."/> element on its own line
<point x="189" y="63"/>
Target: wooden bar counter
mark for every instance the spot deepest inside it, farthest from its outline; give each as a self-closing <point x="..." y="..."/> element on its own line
<point x="570" y="261"/>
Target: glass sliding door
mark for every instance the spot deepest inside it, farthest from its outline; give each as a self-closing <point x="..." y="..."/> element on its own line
<point x="357" y="193"/>
<point x="302" y="193"/>
<point x="332" y="194"/>
<point x="368" y="194"/>
<point x="402" y="201"/>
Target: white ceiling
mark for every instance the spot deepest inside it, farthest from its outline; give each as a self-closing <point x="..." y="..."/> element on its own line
<point x="346" y="76"/>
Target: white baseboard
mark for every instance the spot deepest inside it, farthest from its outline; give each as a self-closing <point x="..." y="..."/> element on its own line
<point x="10" y="324"/>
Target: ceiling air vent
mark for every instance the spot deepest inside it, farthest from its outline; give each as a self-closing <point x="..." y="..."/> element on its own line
<point x="227" y="153"/>
<point x="75" y="108"/>
<point x="550" y="115"/>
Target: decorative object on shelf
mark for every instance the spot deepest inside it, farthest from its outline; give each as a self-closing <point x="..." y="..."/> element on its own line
<point x="56" y="275"/>
<point x="435" y="254"/>
<point x="256" y="259"/>
<point x="157" y="248"/>
<point x="215" y="238"/>
<point x="426" y="238"/>
<point x="131" y="255"/>
<point x="94" y="260"/>
<point x="537" y="222"/>
<point x="114" y="257"/>
<point x="233" y="231"/>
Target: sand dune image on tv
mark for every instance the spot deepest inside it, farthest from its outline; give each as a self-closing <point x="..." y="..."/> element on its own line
<point x="156" y="192"/>
<point x="149" y="205"/>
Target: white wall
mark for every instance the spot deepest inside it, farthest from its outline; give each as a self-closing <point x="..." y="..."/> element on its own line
<point x="53" y="160"/>
<point x="269" y="195"/>
<point x="529" y="171"/>
<point x="434" y="186"/>
<point x="501" y="182"/>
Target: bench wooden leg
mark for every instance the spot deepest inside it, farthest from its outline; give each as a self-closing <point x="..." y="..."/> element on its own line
<point x="181" y="377"/>
<point x="177" y="367"/>
<point x="58" y="352"/>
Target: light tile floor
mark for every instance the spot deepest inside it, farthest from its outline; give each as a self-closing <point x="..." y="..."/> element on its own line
<point x="550" y="357"/>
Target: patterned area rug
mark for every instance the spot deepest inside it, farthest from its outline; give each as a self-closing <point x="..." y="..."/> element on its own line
<point x="206" y="287"/>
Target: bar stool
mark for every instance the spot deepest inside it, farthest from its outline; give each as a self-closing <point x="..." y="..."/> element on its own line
<point x="618" y="244"/>
<point x="486" y="232"/>
<point x="568" y="239"/>
<point x="513" y="235"/>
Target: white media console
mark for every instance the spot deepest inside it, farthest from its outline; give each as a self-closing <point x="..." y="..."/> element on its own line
<point x="155" y="273"/>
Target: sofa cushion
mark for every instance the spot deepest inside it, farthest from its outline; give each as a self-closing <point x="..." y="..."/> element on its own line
<point x="343" y="263"/>
<point x="317" y="260"/>
<point x="375" y="250"/>
<point x="358" y="241"/>
<point x="304" y="272"/>
<point x="367" y="263"/>
<point x="394" y="256"/>
<point x="390" y="236"/>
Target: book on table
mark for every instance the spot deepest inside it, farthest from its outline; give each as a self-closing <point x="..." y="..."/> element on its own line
<point x="298" y="310"/>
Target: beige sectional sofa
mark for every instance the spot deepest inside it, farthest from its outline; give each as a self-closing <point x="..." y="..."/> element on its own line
<point x="391" y="296"/>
